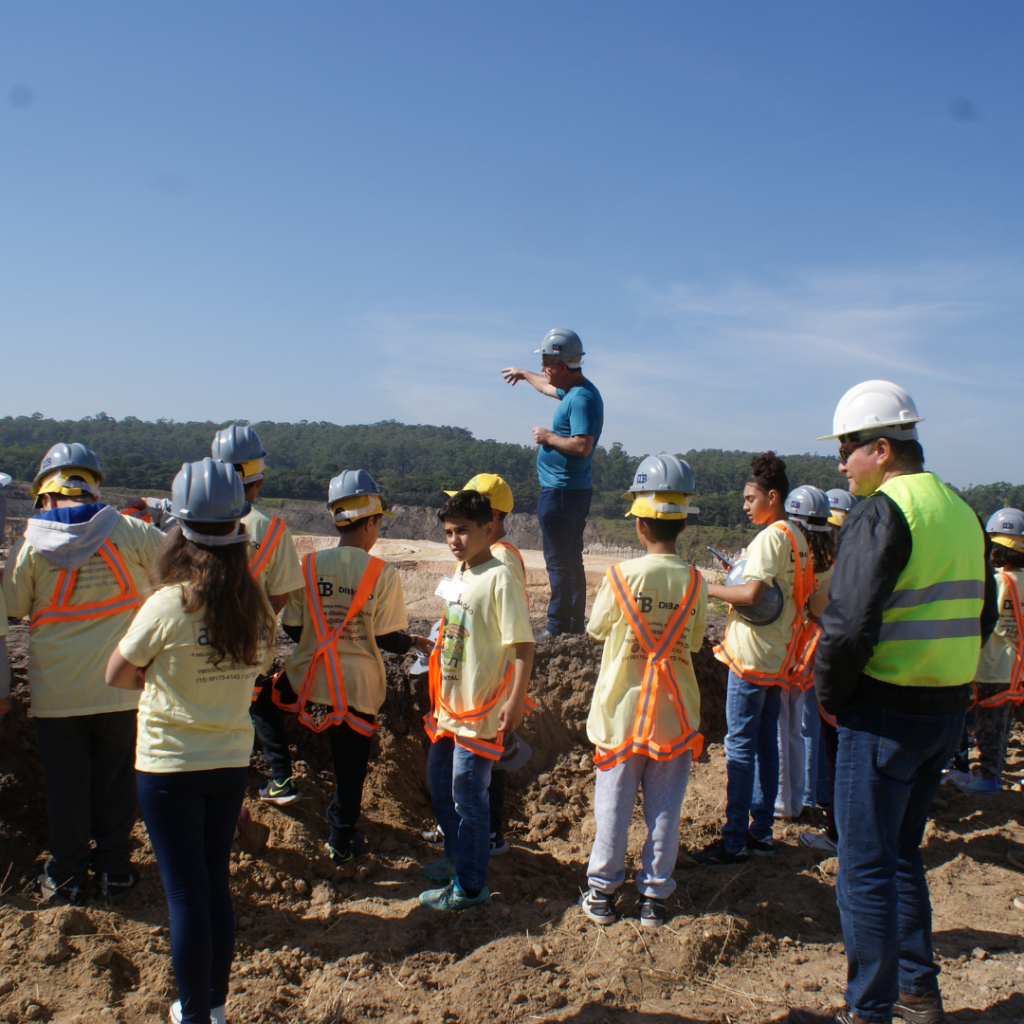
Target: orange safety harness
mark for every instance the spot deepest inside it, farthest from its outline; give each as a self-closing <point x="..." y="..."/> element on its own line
<point x="60" y="608"/>
<point x="788" y="672"/>
<point x="659" y="680"/>
<point x="261" y="558"/>
<point x="1014" y="693"/>
<point x="326" y="650"/>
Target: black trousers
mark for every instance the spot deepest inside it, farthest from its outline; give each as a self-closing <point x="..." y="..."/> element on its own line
<point x="268" y="721"/>
<point x="350" y="751"/>
<point x="88" y="766"/>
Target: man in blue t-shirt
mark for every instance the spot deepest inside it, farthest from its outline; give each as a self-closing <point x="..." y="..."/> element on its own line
<point x="563" y="468"/>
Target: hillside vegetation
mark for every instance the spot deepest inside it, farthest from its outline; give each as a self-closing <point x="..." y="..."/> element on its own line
<point x="414" y="464"/>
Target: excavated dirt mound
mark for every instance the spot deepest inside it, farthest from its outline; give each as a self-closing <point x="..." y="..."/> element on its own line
<point x="328" y="946"/>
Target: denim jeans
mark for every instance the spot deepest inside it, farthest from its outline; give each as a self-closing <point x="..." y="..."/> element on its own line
<point x="458" y="781"/>
<point x="562" y="515"/>
<point x="888" y="767"/>
<point x="751" y="760"/>
<point x="789" y="801"/>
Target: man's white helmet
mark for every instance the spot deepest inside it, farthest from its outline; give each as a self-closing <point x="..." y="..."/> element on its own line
<point x="1006" y="527"/>
<point x="876" y="408"/>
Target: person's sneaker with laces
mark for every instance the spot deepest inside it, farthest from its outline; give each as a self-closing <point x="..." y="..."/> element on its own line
<point x="977" y="783"/>
<point x="652" y="912"/>
<point x="716" y="855"/>
<point x="817" y="841"/>
<point x="218" y="1014"/>
<point x="442" y="870"/>
<point x="63" y="894"/>
<point x="453" y="898"/>
<point x="763" y="846"/>
<point x="598" y="906"/>
<point x="433" y="836"/>
<point x="499" y="844"/>
<point x="926" y="1010"/>
<point x="347" y="851"/>
<point x="113" y="887"/>
<point x="280" y="792"/>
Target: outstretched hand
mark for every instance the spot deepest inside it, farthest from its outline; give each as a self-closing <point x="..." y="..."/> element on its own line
<point x="513" y="375"/>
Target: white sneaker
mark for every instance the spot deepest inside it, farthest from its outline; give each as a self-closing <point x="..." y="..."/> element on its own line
<point x="817" y="841"/>
<point x="217" y="1013"/>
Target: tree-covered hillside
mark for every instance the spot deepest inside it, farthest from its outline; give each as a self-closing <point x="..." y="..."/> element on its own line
<point x="413" y="463"/>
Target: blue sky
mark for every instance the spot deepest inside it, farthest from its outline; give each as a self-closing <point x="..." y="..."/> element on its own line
<point x="355" y="212"/>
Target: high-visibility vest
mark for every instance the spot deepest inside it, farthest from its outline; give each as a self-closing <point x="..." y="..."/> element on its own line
<point x="60" y="608"/>
<point x="261" y="558"/>
<point x="1014" y="693"/>
<point x="659" y="684"/>
<point x="793" y="669"/>
<point x="491" y="749"/>
<point x="931" y="628"/>
<point x="326" y="651"/>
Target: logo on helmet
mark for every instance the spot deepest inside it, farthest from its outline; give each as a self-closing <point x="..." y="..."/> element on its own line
<point x="556" y="346"/>
<point x="46" y="463"/>
<point x="641" y="478"/>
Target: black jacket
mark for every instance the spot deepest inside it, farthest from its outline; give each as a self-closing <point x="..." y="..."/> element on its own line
<point x="873" y="549"/>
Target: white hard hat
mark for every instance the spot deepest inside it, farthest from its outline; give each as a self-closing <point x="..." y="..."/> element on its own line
<point x="877" y="408"/>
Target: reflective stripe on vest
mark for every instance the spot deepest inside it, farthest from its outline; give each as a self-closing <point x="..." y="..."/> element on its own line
<point x="659" y="683"/>
<point x="491" y="749"/>
<point x="326" y="650"/>
<point x="931" y="623"/>
<point x="793" y="669"/>
<point x="1014" y="693"/>
<point x="260" y="559"/>
<point x="60" y="608"/>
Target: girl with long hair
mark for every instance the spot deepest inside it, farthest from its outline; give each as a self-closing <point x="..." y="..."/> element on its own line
<point x="195" y="649"/>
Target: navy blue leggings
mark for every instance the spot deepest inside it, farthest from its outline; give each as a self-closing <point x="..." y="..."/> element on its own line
<point x="191" y="817"/>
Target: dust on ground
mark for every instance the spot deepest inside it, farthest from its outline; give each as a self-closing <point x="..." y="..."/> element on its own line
<point x="330" y="946"/>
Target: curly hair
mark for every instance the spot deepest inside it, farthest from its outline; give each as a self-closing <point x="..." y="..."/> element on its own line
<point x="1007" y="558"/>
<point x="768" y="472"/>
<point x="822" y="547"/>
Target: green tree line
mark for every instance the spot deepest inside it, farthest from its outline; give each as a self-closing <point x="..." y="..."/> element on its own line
<point x="413" y="463"/>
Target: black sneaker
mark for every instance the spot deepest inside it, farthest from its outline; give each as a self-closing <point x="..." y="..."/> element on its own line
<point x="762" y="847"/>
<point x="598" y="906"/>
<point x="280" y="792"/>
<point x="927" y="1011"/>
<point x="499" y="844"/>
<point x="64" y="894"/>
<point x="652" y="912"/>
<point x="111" y="888"/>
<point x="716" y="855"/>
<point x="347" y="850"/>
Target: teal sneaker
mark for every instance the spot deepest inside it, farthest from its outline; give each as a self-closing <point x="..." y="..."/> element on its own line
<point x="452" y="897"/>
<point x="442" y="870"/>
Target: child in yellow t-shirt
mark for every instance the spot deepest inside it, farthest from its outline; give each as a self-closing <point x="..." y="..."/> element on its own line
<point x="760" y="658"/>
<point x="195" y="649"/>
<point x="480" y="668"/>
<point x="649" y="613"/>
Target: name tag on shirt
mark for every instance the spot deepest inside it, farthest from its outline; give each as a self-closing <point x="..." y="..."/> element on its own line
<point x="450" y="589"/>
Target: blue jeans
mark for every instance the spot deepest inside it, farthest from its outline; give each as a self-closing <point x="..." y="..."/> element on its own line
<point x="190" y="818"/>
<point x="458" y="781"/>
<point x="816" y="789"/>
<point x="751" y="761"/>
<point x="888" y="769"/>
<point x="562" y="515"/>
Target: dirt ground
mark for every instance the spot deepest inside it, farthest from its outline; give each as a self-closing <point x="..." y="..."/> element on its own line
<point x="339" y="946"/>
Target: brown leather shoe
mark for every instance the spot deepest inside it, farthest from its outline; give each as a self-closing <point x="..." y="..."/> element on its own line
<point x="805" y="1015"/>
<point x="925" y="1009"/>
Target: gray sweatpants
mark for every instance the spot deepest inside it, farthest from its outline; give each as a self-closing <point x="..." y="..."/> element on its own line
<point x="664" y="786"/>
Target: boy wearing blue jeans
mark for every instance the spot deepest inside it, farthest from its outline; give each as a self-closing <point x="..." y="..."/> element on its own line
<point x="479" y="672"/>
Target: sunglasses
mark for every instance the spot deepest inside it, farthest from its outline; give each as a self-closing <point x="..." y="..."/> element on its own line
<point x="846" y="450"/>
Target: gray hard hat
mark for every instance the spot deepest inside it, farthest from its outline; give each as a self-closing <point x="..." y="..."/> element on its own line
<point x="349" y="483"/>
<point x="208" y="492"/>
<point x="662" y="472"/>
<point x="767" y="610"/>
<point x="563" y="343"/>
<point x="515" y="754"/>
<point x="1007" y="521"/>
<point x="68" y="456"/>
<point x="5" y="479"/>
<point x="841" y="499"/>
<point x="805" y="503"/>
<point x="237" y="444"/>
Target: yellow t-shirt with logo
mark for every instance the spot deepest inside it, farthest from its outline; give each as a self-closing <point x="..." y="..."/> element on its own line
<point x="283" y="573"/>
<point x="338" y="572"/>
<point x="769" y="559"/>
<point x="4" y="629"/>
<point x="512" y="561"/>
<point x="480" y="629"/>
<point x="193" y="715"/>
<point x="1000" y="652"/>
<point x="659" y="584"/>
<point x="67" y="660"/>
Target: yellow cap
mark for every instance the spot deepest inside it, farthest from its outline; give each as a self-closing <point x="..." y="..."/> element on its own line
<point x="251" y="471"/>
<point x="71" y="482"/>
<point x="660" y="505"/>
<point x="1014" y="543"/>
<point x="359" y="506"/>
<point x="494" y="487"/>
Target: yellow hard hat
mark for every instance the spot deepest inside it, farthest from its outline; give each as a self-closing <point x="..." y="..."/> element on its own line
<point x="360" y="506"/>
<point x="494" y="487"/>
<point x="660" y="505"/>
<point x="70" y="482"/>
<point x="1014" y="543"/>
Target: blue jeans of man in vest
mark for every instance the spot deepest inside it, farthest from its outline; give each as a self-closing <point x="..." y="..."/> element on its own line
<point x="888" y="768"/>
<point x="562" y="514"/>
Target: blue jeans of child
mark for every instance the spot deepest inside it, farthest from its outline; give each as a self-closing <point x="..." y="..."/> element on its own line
<point x="458" y="781"/>
<point x="751" y="760"/>
<point x="191" y="818"/>
<point x="888" y="768"/>
<point x="562" y="515"/>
